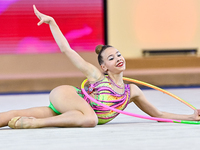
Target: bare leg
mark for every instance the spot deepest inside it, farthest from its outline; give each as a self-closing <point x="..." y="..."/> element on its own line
<point x="37" y="112"/>
<point x="76" y="112"/>
<point x="68" y="119"/>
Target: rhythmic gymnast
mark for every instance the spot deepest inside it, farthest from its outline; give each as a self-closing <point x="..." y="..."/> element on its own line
<point x="68" y="105"/>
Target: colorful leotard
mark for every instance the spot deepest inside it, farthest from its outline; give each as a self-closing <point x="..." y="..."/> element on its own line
<point x="103" y="92"/>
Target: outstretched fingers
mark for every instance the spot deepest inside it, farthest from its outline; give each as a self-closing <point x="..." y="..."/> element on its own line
<point x="39" y="15"/>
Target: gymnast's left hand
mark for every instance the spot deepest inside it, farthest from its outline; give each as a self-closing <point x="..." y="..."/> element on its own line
<point x="43" y="18"/>
<point x="196" y="115"/>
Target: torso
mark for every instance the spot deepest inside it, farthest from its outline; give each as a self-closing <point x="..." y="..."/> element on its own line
<point x="108" y="93"/>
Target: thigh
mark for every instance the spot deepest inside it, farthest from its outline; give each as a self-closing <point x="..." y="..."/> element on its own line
<point x="65" y="98"/>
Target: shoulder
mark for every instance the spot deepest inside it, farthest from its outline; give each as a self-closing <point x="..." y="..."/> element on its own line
<point x="134" y="91"/>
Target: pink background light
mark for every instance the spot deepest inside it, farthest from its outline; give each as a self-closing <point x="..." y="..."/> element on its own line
<point x="81" y="22"/>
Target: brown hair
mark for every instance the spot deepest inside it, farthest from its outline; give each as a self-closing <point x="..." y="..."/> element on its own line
<point x="99" y="49"/>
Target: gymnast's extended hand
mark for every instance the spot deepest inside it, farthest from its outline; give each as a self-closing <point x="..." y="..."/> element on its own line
<point x="43" y="18"/>
<point x="196" y="115"/>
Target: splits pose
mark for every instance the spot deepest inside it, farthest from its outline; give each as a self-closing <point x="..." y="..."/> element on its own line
<point x="68" y="105"/>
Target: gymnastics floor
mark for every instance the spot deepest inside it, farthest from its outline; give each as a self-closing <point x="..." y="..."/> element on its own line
<point x="123" y="133"/>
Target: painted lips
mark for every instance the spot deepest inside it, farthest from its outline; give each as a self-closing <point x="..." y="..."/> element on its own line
<point x="120" y="64"/>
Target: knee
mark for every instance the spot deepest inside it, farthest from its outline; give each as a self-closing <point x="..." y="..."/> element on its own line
<point x="90" y="122"/>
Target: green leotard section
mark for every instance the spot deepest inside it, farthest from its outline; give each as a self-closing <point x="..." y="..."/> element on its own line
<point x="56" y="111"/>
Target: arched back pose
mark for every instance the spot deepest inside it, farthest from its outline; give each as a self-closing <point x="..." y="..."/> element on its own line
<point x="70" y="108"/>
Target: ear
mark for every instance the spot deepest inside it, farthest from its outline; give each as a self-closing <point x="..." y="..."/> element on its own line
<point x="104" y="68"/>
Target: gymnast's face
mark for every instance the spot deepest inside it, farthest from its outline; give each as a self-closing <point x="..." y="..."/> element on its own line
<point x="113" y="61"/>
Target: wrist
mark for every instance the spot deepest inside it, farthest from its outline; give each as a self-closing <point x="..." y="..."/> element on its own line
<point x="51" y="21"/>
<point x="192" y="117"/>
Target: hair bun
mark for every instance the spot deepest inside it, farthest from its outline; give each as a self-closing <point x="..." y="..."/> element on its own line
<point x="98" y="48"/>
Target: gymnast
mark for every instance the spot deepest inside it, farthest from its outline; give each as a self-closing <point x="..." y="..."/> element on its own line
<point x="68" y="105"/>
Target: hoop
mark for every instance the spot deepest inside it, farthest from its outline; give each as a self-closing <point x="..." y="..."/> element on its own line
<point x="142" y="116"/>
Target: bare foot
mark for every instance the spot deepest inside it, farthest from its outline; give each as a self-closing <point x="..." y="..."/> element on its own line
<point x="22" y="123"/>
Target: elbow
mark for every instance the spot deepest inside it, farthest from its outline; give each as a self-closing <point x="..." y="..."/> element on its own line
<point x="64" y="49"/>
<point x="158" y="114"/>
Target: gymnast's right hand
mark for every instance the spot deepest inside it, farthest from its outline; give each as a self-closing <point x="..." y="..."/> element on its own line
<point x="43" y="18"/>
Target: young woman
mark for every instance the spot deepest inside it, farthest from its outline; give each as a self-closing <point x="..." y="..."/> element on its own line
<point x="70" y="108"/>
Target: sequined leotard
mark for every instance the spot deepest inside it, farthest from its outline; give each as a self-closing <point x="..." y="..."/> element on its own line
<point x="104" y="93"/>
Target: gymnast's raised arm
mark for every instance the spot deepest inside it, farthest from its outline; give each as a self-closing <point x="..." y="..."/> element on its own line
<point x="89" y="70"/>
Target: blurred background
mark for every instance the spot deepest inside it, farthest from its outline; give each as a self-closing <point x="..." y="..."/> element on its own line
<point x="159" y="40"/>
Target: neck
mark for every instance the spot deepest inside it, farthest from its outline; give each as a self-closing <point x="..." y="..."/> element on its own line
<point x="117" y="78"/>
